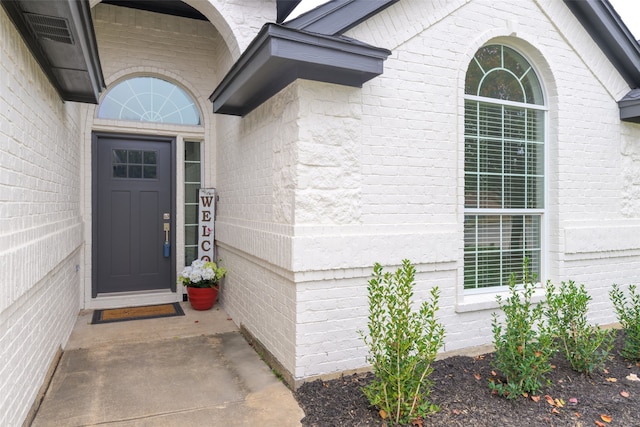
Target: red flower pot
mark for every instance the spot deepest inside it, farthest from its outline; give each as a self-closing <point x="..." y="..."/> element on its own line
<point x="202" y="298"/>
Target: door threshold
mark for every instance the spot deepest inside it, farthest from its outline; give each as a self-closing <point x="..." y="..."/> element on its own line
<point x="132" y="299"/>
<point x="132" y="293"/>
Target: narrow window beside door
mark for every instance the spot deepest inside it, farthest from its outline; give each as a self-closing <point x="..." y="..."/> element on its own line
<point x="192" y="174"/>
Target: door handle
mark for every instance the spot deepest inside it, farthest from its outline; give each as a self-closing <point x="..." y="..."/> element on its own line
<point x="166" y="248"/>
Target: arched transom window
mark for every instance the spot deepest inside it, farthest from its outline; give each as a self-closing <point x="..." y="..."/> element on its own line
<point x="503" y="167"/>
<point x="149" y="99"/>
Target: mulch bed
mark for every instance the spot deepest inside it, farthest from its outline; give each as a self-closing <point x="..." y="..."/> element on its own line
<point x="460" y="389"/>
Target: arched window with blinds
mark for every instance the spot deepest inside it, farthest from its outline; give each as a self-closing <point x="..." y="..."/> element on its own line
<point x="504" y="167"/>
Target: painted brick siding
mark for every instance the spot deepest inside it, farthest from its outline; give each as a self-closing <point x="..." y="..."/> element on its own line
<point x="323" y="180"/>
<point x="135" y="42"/>
<point x="256" y="181"/>
<point x="262" y="299"/>
<point x="385" y="180"/>
<point x="331" y="312"/>
<point x="237" y="21"/>
<point x="40" y="224"/>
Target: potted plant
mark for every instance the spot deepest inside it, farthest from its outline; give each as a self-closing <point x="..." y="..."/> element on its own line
<point x="202" y="280"/>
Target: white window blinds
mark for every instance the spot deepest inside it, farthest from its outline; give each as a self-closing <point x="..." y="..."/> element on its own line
<point x="503" y="168"/>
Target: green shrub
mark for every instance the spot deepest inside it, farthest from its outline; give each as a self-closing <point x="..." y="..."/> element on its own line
<point x="524" y="345"/>
<point x="402" y="345"/>
<point x="628" y="312"/>
<point x="585" y="346"/>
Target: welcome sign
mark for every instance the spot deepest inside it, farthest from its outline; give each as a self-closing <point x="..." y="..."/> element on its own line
<point x="206" y="210"/>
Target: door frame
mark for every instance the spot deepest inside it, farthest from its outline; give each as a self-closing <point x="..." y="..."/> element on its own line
<point x="95" y="136"/>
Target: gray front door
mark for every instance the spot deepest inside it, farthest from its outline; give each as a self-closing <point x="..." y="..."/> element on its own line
<point x="132" y="200"/>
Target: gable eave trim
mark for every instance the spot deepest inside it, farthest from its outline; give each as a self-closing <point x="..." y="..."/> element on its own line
<point x="284" y="9"/>
<point x="337" y="16"/>
<point x="279" y="55"/>
<point x="607" y="29"/>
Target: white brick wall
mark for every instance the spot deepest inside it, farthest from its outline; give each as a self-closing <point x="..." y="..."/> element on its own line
<point x="323" y="180"/>
<point x="319" y="182"/>
<point x="40" y="224"/>
<point x="256" y="181"/>
<point x="261" y="297"/>
<point x="237" y="22"/>
<point x="379" y="174"/>
<point x="135" y="42"/>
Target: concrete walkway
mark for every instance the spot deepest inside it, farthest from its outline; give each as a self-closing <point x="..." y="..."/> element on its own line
<point x="192" y="370"/>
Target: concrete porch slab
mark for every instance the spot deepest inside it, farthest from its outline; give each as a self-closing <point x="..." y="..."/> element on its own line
<point x="194" y="370"/>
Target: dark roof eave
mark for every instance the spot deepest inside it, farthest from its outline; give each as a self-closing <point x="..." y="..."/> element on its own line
<point x="284" y="8"/>
<point x="630" y="107"/>
<point x="605" y="26"/>
<point x="72" y="68"/>
<point x="607" y="29"/>
<point x="337" y="16"/>
<point x="280" y="55"/>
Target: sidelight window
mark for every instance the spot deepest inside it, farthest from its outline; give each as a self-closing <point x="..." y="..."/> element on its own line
<point x="192" y="183"/>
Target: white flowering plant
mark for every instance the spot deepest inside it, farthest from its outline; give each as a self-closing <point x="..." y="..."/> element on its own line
<point x="201" y="274"/>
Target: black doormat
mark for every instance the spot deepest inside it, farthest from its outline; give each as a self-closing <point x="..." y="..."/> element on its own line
<point x="136" y="313"/>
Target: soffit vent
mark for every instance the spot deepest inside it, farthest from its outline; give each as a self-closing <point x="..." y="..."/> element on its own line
<point x="50" y="27"/>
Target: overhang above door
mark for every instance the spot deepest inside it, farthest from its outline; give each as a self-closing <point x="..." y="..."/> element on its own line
<point x="310" y="46"/>
<point x="61" y="38"/>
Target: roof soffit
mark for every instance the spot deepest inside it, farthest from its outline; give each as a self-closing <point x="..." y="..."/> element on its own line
<point x="61" y="37"/>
